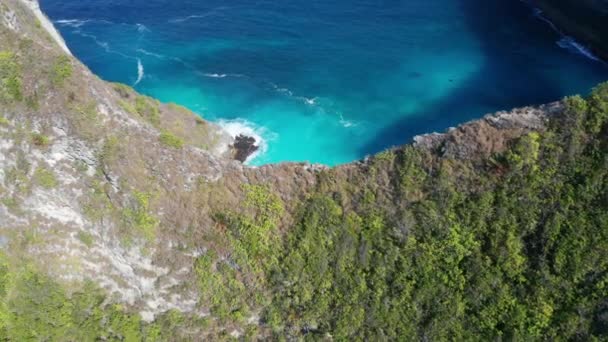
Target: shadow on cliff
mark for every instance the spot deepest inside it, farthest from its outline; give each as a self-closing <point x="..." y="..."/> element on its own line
<point x="508" y="78"/>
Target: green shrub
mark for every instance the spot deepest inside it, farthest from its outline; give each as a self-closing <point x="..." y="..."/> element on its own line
<point x="148" y="109"/>
<point x="138" y="215"/>
<point x="40" y="140"/>
<point x="4" y="121"/>
<point x="45" y="178"/>
<point x="96" y="203"/>
<point x="385" y="156"/>
<point x="34" y="307"/>
<point x="170" y="140"/>
<point x="85" y="238"/>
<point x="123" y="90"/>
<point x="127" y="107"/>
<point x="10" y="77"/>
<point x="85" y="120"/>
<point x="110" y="151"/>
<point x="62" y="70"/>
<point x="144" y="107"/>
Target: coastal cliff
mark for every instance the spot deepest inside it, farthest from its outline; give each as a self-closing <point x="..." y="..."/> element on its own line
<point x="586" y="20"/>
<point x="123" y="218"/>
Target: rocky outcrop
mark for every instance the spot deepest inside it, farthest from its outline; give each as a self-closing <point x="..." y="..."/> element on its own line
<point x="244" y="147"/>
<point x="484" y="137"/>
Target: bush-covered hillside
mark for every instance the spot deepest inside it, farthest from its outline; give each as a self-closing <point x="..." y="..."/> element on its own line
<point x="125" y="219"/>
<point x="520" y="252"/>
<point x="513" y="246"/>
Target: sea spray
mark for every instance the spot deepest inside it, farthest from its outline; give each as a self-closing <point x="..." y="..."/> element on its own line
<point x="261" y="135"/>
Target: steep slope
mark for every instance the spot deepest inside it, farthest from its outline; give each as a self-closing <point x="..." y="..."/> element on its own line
<point x="122" y="218"/>
<point x="106" y="175"/>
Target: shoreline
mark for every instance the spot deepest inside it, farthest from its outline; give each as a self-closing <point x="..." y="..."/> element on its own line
<point x="48" y="26"/>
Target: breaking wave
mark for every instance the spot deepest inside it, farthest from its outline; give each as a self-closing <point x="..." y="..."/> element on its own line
<point x="140" y="72"/>
<point x="261" y="135"/>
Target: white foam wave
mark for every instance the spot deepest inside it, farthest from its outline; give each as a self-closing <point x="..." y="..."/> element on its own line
<point x="216" y="75"/>
<point x="104" y="45"/>
<point x="285" y="91"/>
<point x="151" y="54"/>
<point x="261" y="135"/>
<point x="190" y="17"/>
<point x="75" y="23"/>
<point x="140" y="72"/>
<point x="346" y="123"/>
<point x="309" y="101"/>
<point x="571" y="44"/>
<point x="141" y="28"/>
<point x="539" y="14"/>
<point x="197" y="16"/>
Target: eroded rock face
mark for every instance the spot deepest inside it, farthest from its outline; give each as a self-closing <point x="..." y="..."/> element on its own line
<point x="243" y="147"/>
<point x="482" y="138"/>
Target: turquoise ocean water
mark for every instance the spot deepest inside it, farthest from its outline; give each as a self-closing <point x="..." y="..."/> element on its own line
<point x="329" y="81"/>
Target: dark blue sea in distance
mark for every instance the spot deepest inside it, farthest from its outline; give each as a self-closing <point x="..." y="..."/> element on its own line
<point x="328" y="81"/>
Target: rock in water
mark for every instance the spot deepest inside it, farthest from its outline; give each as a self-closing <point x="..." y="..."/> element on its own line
<point x="243" y="147"/>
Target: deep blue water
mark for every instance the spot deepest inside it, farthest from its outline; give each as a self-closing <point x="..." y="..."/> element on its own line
<point x="328" y="81"/>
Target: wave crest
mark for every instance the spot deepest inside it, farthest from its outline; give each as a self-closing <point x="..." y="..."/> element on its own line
<point x="572" y="45"/>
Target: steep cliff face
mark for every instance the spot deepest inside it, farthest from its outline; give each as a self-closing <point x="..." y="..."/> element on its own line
<point x="586" y="20"/>
<point x="104" y="178"/>
<point x="122" y="218"/>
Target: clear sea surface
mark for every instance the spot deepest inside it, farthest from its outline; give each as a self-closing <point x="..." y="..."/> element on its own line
<point x="329" y="81"/>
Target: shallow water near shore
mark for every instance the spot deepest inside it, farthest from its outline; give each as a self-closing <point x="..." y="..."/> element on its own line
<point x="328" y="82"/>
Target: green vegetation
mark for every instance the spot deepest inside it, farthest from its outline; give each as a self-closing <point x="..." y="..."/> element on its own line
<point x="97" y="204"/>
<point x="170" y="140"/>
<point x="45" y="178"/>
<point x="521" y="258"/>
<point x="143" y="106"/>
<point x="413" y="245"/>
<point x="62" y="70"/>
<point x="138" y="215"/>
<point x="17" y="176"/>
<point x="86" y="238"/>
<point x="85" y="120"/>
<point x="123" y="90"/>
<point x="232" y="286"/>
<point x="510" y="249"/>
<point x="181" y="109"/>
<point x="148" y="109"/>
<point x="222" y="287"/>
<point x="40" y="140"/>
<point x="10" y="78"/>
<point x="110" y="150"/>
<point x="33" y="307"/>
